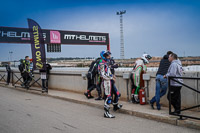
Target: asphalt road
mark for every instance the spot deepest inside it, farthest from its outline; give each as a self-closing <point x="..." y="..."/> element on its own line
<point x="22" y="112"/>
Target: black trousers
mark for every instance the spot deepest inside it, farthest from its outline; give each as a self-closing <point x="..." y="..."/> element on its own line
<point x="8" y="77"/>
<point x="45" y="83"/>
<point x="114" y="92"/>
<point x="175" y="97"/>
<point x="27" y="78"/>
<point x="92" y="85"/>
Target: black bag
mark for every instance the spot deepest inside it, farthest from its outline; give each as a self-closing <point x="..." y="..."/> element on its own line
<point x="21" y="67"/>
<point x="93" y="70"/>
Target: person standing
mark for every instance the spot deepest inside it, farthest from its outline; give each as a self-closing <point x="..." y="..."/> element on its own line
<point x="46" y="77"/>
<point x="114" y="90"/>
<point x="91" y="76"/>
<point x="26" y="73"/>
<point x="175" y="70"/>
<point x="108" y="83"/>
<point x="161" y="82"/>
<point x="106" y="76"/>
<point x="8" y="70"/>
<point x="136" y="77"/>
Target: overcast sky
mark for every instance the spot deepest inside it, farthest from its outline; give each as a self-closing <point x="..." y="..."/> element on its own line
<point x="151" y="26"/>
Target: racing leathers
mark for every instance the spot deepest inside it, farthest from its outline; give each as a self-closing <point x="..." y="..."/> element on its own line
<point x="114" y="90"/>
<point x="109" y="88"/>
<point x="106" y="76"/>
<point x="136" y="78"/>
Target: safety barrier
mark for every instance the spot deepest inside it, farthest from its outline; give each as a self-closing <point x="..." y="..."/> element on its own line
<point x="188" y="87"/>
<point x="72" y="80"/>
<point x="19" y="80"/>
<point x="2" y="77"/>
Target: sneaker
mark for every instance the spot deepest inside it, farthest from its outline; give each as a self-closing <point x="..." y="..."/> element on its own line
<point x="151" y="105"/>
<point x="44" y="91"/>
<point x="177" y="111"/>
<point x="22" y="85"/>
<point x="99" y="98"/>
<point x="116" y="107"/>
<point x="158" y="109"/>
<point x="27" y="87"/>
<point x="108" y="115"/>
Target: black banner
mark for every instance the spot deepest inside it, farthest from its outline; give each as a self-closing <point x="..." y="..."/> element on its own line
<point x="37" y="45"/>
<point x="21" y="35"/>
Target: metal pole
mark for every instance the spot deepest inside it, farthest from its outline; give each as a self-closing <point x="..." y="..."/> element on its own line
<point x="148" y="91"/>
<point x="127" y="90"/>
<point x="121" y="38"/>
<point x="12" y="79"/>
<point x="10" y="52"/>
<point x="170" y="111"/>
<point x="121" y="34"/>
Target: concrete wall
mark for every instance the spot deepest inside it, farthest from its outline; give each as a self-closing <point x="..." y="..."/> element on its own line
<point x="73" y="81"/>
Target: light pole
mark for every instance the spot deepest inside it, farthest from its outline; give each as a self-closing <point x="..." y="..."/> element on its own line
<point x="121" y="34"/>
<point x="10" y="52"/>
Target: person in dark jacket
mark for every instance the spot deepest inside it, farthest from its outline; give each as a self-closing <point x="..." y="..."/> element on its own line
<point x="161" y="82"/>
<point x="26" y="72"/>
<point x="45" y="80"/>
<point x="92" y="83"/>
<point x="8" y="69"/>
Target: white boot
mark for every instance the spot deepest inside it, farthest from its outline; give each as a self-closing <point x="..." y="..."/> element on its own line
<point x="108" y="115"/>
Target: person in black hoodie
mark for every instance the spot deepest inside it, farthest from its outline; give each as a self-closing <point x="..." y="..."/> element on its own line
<point x="8" y="69"/>
<point x="45" y="80"/>
<point x="91" y="76"/>
<point x="161" y="82"/>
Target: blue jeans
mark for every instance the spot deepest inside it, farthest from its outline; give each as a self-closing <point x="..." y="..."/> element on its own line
<point x="161" y="89"/>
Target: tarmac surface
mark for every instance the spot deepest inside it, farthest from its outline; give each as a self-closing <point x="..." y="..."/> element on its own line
<point x="22" y="112"/>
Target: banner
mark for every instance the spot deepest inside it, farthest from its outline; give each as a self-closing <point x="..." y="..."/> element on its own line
<point x="37" y="45"/>
<point x="22" y="35"/>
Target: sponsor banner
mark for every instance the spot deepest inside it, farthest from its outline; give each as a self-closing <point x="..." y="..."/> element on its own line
<point x="37" y="45"/>
<point x="55" y="37"/>
<point x="21" y="35"/>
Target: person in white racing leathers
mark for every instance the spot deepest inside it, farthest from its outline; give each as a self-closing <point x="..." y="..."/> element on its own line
<point x="108" y="85"/>
<point x="136" y="76"/>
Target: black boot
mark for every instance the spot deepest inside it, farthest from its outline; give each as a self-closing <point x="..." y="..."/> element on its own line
<point x="117" y="106"/>
<point x="133" y="99"/>
<point x="99" y="98"/>
<point x="89" y="96"/>
<point x="86" y="94"/>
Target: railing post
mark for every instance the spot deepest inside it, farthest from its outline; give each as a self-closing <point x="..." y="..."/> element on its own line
<point x="169" y="84"/>
<point x="12" y="79"/>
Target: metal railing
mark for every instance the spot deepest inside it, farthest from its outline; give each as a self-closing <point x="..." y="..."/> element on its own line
<point x="188" y="87"/>
<point x="2" y="77"/>
<point x="19" y="80"/>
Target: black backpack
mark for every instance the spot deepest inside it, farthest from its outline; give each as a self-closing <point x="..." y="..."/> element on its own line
<point x="93" y="70"/>
<point x="21" y="66"/>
